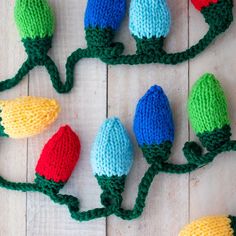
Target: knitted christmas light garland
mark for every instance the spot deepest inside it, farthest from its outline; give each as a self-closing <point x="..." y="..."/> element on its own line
<point x="149" y="25"/>
<point x="112" y="154"/>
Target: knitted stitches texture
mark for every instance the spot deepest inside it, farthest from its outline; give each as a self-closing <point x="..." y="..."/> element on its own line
<point x="27" y="116"/>
<point x="59" y="156"/>
<point x="34" y="18"/>
<point x="149" y="24"/>
<point x="104" y="14"/>
<point x="209" y="226"/>
<point x="153" y="122"/>
<point x="149" y="18"/>
<point x="207" y="106"/>
<point x="111" y="160"/>
<point x="199" y="4"/>
<point x="112" y="153"/>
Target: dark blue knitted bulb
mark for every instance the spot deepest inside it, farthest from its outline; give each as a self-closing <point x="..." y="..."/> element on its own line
<point x="104" y="14"/>
<point x="153" y="122"/>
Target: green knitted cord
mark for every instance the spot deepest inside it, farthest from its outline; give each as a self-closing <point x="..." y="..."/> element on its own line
<point x="34" y="18"/>
<point x="207" y="107"/>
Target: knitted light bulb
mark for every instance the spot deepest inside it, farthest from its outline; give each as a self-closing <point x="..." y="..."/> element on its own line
<point x="150" y="22"/>
<point x="102" y="19"/>
<point x="209" y="226"/>
<point x="153" y="125"/>
<point x="26" y="116"/>
<point x="111" y="159"/>
<point x="58" y="159"/>
<point x="34" y="18"/>
<point x="208" y="114"/>
<point x="217" y="13"/>
<point x="36" y="23"/>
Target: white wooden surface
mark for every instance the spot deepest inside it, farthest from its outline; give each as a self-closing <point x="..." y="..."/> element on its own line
<point x="100" y="91"/>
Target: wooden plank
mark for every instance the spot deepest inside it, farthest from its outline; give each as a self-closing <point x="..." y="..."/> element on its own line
<point x="167" y="204"/>
<point x="84" y="109"/>
<point x="212" y="187"/>
<point x="13" y="152"/>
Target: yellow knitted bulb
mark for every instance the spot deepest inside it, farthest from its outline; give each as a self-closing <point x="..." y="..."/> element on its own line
<point x="210" y="226"/>
<point x="27" y="116"/>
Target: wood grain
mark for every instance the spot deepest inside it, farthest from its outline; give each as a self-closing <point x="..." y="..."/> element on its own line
<point x="102" y="91"/>
<point x="167" y="204"/>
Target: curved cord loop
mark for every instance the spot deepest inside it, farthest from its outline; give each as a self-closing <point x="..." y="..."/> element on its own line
<point x="26" y="67"/>
<point x="143" y="190"/>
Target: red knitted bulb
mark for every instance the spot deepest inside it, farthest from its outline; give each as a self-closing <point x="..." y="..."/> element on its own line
<point x="59" y="156"/>
<point x="199" y="4"/>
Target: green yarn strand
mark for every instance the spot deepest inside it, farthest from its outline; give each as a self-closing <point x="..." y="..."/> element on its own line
<point x="23" y="71"/>
<point x="143" y="190"/>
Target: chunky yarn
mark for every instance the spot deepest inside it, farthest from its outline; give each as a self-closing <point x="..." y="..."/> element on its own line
<point x="59" y="156"/>
<point x="209" y="226"/>
<point x="27" y="116"/>
<point x="149" y="18"/>
<point x="153" y="122"/>
<point x="34" y="18"/>
<point x="112" y="153"/>
<point x="104" y="14"/>
<point x="208" y="114"/>
<point x="207" y="105"/>
<point x="199" y="4"/>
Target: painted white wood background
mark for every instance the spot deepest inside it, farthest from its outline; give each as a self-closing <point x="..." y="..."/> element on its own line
<point x="102" y="91"/>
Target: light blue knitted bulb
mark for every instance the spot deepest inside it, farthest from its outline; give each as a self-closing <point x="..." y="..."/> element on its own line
<point x="149" y="18"/>
<point x="112" y="153"/>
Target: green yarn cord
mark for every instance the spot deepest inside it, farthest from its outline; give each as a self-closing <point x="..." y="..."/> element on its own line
<point x="192" y="152"/>
<point x="207" y="106"/>
<point x="34" y="18"/>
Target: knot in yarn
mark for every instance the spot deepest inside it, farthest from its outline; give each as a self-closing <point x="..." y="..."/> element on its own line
<point x="37" y="49"/>
<point x="193" y="154"/>
<point x="112" y="188"/>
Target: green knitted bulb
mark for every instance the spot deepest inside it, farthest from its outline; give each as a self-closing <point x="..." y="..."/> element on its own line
<point x="208" y="114"/>
<point x="34" y="18"/>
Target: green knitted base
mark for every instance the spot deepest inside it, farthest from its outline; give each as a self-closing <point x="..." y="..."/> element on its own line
<point x="219" y="15"/>
<point x="112" y="188"/>
<point x="233" y="224"/>
<point x="99" y="37"/>
<point x="157" y="153"/>
<point x="150" y="46"/>
<point x="48" y="184"/>
<point x="37" y="49"/>
<point x="2" y="133"/>
<point x="216" y="138"/>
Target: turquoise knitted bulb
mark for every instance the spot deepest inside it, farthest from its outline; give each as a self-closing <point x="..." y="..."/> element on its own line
<point x="112" y="153"/>
<point x="149" y="18"/>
